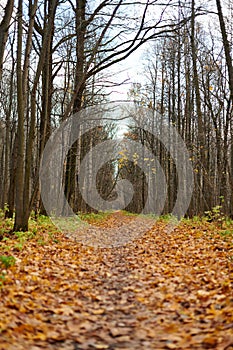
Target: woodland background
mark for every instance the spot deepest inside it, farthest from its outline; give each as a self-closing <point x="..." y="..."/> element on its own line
<point x="58" y="57"/>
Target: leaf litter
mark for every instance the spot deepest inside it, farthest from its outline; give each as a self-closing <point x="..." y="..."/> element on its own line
<point x="159" y="291"/>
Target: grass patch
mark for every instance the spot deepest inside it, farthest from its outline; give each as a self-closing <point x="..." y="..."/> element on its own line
<point x="6" y="261"/>
<point x="41" y="231"/>
<point x="226" y="232"/>
<point x="128" y="213"/>
<point x="91" y="218"/>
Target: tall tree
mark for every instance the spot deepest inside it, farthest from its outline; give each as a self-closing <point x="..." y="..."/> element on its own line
<point x="4" y="28"/>
<point x="227" y="50"/>
<point x="20" y="223"/>
<point x="226" y="46"/>
<point x="24" y="162"/>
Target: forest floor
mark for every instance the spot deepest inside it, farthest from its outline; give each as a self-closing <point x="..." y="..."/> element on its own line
<point x="160" y="291"/>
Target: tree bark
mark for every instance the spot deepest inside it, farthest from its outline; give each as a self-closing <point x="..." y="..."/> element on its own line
<point x="4" y="28"/>
<point x="201" y="168"/>
<point x="79" y="87"/>
<point x="226" y="46"/>
<point x="47" y="37"/>
<point x="20" y="224"/>
<point x="227" y="50"/>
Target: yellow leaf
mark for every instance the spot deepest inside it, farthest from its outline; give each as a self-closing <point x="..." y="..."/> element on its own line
<point x="100" y="346"/>
<point x="98" y="311"/>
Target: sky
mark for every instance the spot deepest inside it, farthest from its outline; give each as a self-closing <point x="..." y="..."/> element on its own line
<point x="132" y="68"/>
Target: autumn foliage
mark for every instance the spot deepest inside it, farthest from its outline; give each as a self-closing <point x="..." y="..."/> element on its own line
<point x="161" y="291"/>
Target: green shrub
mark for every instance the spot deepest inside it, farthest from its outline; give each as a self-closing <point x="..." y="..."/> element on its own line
<point x="7" y="261"/>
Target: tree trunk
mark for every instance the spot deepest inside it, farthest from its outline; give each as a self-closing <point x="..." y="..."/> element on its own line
<point x="70" y="178"/>
<point x="201" y="168"/>
<point x="227" y="50"/>
<point x="4" y="27"/>
<point x="20" y="223"/>
<point x="226" y="46"/>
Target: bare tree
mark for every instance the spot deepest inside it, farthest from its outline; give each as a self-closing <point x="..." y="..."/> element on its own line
<point x="24" y="162"/>
<point x="226" y="46"/>
<point x="4" y="28"/>
<point x="20" y="223"/>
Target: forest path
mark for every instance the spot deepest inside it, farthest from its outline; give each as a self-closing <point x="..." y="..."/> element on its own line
<point x="160" y="291"/>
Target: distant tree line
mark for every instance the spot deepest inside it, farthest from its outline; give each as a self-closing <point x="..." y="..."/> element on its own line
<point x="55" y="59"/>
